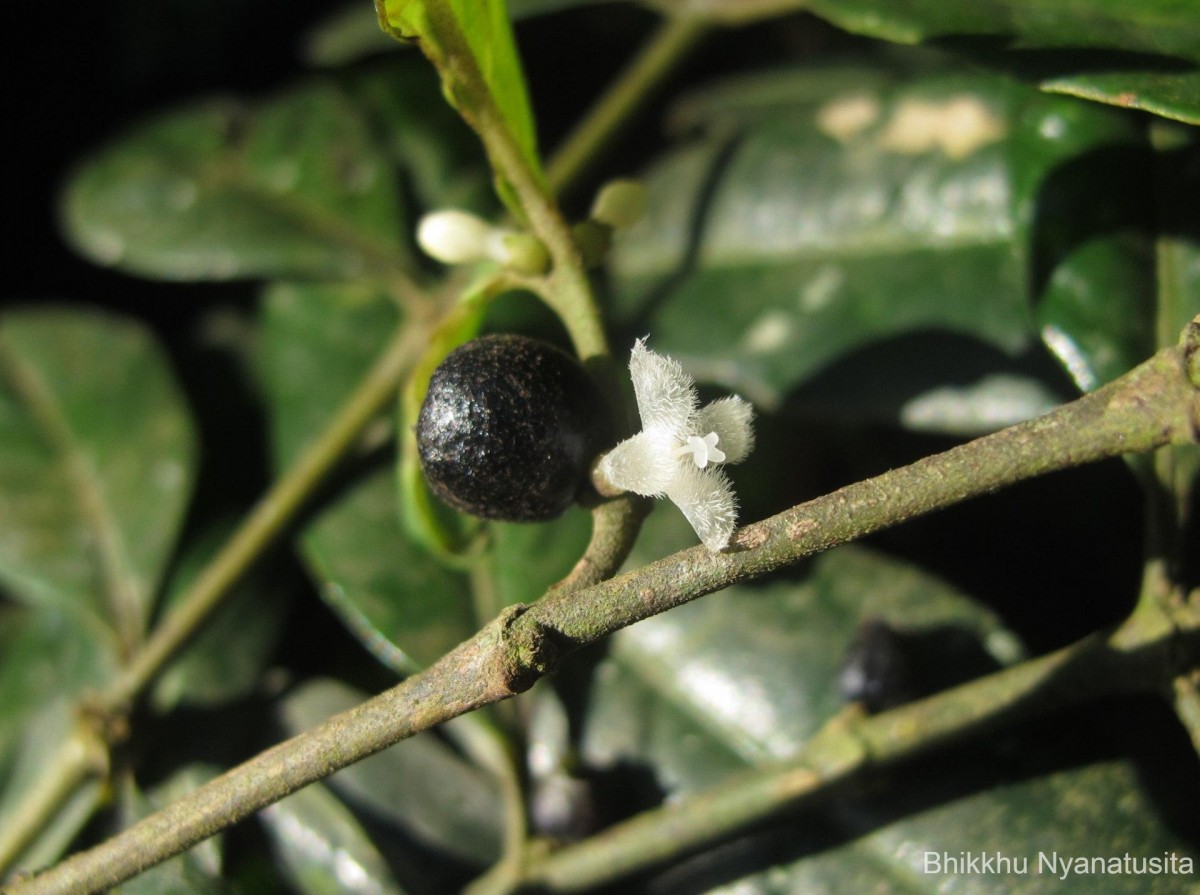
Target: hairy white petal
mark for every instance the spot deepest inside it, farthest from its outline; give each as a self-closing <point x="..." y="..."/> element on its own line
<point x="666" y="395"/>
<point x="644" y="464"/>
<point x="732" y="419"/>
<point x="706" y="499"/>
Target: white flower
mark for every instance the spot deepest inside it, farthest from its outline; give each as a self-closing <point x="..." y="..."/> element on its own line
<point x="682" y="445"/>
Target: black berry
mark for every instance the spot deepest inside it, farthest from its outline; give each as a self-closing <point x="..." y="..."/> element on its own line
<point x="508" y="429"/>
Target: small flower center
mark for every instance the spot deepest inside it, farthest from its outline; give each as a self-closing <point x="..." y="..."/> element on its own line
<point x="703" y="450"/>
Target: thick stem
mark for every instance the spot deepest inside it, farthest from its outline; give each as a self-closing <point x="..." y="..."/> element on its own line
<point x="1153" y="405"/>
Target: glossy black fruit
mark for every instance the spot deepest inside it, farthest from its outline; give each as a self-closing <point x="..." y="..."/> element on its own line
<point x="509" y="427"/>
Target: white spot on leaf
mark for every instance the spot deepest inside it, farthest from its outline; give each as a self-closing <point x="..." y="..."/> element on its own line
<point x="958" y="127"/>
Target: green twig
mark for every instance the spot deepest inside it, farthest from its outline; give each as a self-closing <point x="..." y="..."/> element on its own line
<point x="80" y="757"/>
<point x="1186" y="690"/>
<point x="615" y="110"/>
<point x="1154" y="405"/>
<point x="271" y="516"/>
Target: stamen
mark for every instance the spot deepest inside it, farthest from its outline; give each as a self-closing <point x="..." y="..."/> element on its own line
<point x="703" y="450"/>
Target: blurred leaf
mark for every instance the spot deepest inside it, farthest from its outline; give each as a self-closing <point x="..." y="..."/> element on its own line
<point x="442" y="162"/>
<point x="1162" y="27"/>
<point x="1128" y="53"/>
<point x="322" y="848"/>
<point x="318" y="341"/>
<point x="421" y="784"/>
<point x="226" y="659"/>
<point x="47" y="653"/>
<point x="97" y="458"/>
<point x="857" y="213"/>
<point x="471" y="44"/>
<point x="405" y="606"/>
<point x="344" y="36"/>
<point x="294" y="187"/>
<point x="529" y="558"/>
<point x="1178" y="180"/>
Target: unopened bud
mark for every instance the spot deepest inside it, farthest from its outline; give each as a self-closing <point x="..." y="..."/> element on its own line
<point x="454" y="237"/>
<point x="522" y="252"/>
<point x="620" y="204"/>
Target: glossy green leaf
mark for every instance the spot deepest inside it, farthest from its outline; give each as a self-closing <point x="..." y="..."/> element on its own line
<point x="1170" y="94"/>
<point x="1158" y="27"/>
<point x="322" y="849"/>
<point x="97" y="458"/>
<point x="471" y="43"/>
<point x="421" y="785"/>
<point x="816" y="217"/>
<point x="297" y="186"/>
<point x="1039" y="826"/>
<point x="1128" y="53"/>
<point x="226" y="659"/>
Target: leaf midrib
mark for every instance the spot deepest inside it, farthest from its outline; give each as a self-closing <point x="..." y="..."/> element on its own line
<point x="120" y="586"/>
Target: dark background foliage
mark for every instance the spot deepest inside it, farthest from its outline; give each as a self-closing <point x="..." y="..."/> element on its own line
<point x="77" y="80"/>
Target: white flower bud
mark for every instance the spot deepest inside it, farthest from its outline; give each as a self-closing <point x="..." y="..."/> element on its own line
<point x="455" y="237"/>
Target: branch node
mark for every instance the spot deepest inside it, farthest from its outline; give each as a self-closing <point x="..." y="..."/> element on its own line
<point x="1190" y="342"/>
<point x="527" y="650"/>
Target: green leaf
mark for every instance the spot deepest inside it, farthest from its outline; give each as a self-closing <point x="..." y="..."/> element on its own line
<point x="405" y="606"/>
<point x="1098" y="810"/>
<point x="745" y="677"/>
<point x="97" y="458"/>
<point x="226" y="659"/>
<point x="294" y="187"/>
<point x="436" y="152"/>
<point x="1172" y="94"/>
<point x="1127" y="53"/>
<point x="471" y="43"/>
<point x="823" y="214"/>
<point x="317" y="343"/>
<point x="322" y="848"/>
<point x="529" y="558"/>
<point x="1161" y="27"/>
<point x="422" y="785"/>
